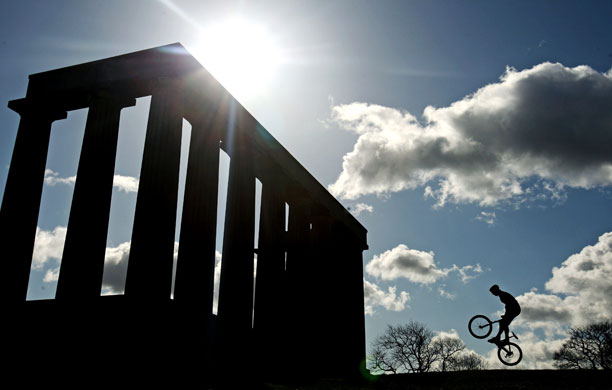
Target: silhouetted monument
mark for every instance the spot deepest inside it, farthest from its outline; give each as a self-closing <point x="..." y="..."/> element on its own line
<point x="307" y="317"/>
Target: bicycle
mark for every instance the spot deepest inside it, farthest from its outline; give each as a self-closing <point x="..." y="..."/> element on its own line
<point x="509" y="353"/>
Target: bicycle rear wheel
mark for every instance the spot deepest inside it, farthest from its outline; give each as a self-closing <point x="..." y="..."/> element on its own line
<point x="510" y="354"/>
<point x="480" y="326"/>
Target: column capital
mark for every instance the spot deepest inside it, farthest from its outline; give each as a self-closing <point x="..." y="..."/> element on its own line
<point x="37" y="107"/>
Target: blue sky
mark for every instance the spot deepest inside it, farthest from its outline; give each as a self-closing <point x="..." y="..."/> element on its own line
<point x="475" y="138"/>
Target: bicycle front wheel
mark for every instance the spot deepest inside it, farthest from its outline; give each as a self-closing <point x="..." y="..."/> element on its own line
<point x="480" y="326"/>
<point x="510" y="354"/>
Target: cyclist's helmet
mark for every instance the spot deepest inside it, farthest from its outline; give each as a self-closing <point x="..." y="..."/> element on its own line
<point x="494" y="288"/>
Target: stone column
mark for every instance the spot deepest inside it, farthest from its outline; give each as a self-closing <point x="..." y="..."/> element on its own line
<point x="21" y="202"/>
<point x="345" y="285"/>
<point x="300" y="270"/>
<point x="270" y="311"/>
<point x="356" y="338"/>
<point x="324" y="297"/>
<point x="194" y="282"/>
<point x="82" y="264"/>
<point x="195" y="268"/>
<point x="149" y="274"/>
<point x="235" y="308"/>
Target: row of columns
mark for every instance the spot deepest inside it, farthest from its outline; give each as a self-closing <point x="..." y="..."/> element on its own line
<point x="309" y="280"/>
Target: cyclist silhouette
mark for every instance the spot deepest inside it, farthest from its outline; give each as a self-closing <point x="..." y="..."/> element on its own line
<point x="513" y="309"/>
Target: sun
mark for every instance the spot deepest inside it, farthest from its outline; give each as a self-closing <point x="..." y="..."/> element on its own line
<point x="242" y="55"/>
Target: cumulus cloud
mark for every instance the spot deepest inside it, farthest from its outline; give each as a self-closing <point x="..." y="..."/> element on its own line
<point x="585" y="279"/>
<point x="48" y="250"/>
<point x="451" y="334"/>
<point x="375" y="296"/>
<point x="528" y="136"/>
<point x="415" y="265"/>
<point x="579" y="291"/>
<point x="48" y="245"/>
<point x="403" y="262"/>
<point x="115" y="269"/>
<point x="536" y="307"/>
<point x="126" y="184"/>
<point x="52" y="275"/>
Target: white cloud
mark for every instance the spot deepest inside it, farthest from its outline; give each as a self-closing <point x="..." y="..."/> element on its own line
<point x="587" y="274"/>
<point x="467" y="272"/>
<point x="585" y="279"/>
<point x="375" y="296"/>
<point x="446" y="294"/>
<point x="579" y="292"/>
<point x="537" y="310"/>
<point x="48" y="245"/>
<point x="115" y="269"/>
<point x="361" y="207"/>
<point x="52" y="275"/>
<point x="52" y="178"/>
<point x="126" y="184"/>
<point x="527" y="137"/>
<point x="487" y="217"/>
<point x="451" y="334"/>
<point x="48" y="250"/>
<point x="416" y="266"/>
<point x="217" y="281"/>
<point x="403" y="262"/>
<point x="538" y="353"/>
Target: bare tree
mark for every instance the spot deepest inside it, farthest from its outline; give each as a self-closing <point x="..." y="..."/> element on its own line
<point x="381" y="361"/>
<point x="589" y="347"/>
<point x="468" y="361"/>
<point x="404" y="348"/>
<point x="447" y="349"/>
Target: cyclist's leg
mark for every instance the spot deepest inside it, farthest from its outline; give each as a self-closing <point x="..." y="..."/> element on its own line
<point x="507" y="319"/>
<point x="503" y="327"/>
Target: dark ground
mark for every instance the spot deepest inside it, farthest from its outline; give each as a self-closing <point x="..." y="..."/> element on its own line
<point x="487" y="379"/>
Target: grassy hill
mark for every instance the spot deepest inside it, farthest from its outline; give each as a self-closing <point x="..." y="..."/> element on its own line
<point x="487" y="379"/>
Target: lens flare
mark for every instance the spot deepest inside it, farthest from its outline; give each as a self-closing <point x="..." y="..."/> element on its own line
<point x="240" y="54"/>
